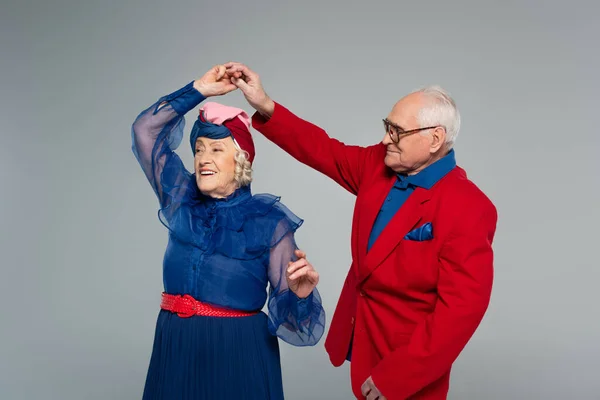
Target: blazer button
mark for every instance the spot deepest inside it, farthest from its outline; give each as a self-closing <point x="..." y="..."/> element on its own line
<point x="362" y="293"/>
<point x="352" y="321"/>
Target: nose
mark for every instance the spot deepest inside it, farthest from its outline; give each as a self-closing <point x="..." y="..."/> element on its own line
<point x="202" y="158"/>
<point x="387" y="140"/>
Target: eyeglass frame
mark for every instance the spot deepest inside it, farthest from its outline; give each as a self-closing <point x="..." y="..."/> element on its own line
<point x="387" y="124"/>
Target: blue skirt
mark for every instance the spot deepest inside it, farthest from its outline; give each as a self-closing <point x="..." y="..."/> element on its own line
<point x="208" y="358"/>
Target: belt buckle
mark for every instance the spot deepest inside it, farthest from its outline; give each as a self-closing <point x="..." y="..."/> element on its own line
<point x="188" y="301"/>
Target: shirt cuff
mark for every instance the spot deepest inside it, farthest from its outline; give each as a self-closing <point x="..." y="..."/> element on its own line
<point x="184" y="99"/>
<point x="300" y="308"/>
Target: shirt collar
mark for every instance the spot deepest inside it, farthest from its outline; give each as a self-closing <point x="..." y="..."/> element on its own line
<point x="430" y="175"/>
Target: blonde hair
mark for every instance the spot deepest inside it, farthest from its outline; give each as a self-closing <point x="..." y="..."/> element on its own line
<point x="243" y="168"/>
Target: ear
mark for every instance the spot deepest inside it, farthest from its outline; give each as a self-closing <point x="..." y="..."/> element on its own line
<point x="438" y="138"/>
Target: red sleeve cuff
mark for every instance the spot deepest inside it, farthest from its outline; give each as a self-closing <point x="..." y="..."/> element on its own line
<point x="279" y="113"/>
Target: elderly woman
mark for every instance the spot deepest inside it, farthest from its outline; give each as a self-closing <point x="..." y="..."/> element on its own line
<point x="212" y="340"/>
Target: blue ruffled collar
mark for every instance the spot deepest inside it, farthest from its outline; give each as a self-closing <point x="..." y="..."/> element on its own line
<point x="233" y="211"/>
<point x="240" y="195"/>
<point x="241" y="226"/>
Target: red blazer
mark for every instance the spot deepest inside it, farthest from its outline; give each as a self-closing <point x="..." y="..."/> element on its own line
<point x="411" y="306"/>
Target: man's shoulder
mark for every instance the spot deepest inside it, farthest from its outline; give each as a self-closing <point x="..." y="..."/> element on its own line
<point x="459" y="191"/>
<point x="374" y="160"/>
<point x="377" y="153"/>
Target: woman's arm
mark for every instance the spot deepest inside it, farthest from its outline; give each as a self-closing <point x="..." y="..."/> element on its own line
<point x="299" y="321"/>
<point x="158" y="131"/>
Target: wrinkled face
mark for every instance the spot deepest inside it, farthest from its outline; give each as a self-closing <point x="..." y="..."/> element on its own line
<point x="413" y="150"/>
<point x="214" y="163"/>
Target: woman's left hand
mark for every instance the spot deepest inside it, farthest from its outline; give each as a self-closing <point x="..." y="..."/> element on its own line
<point x="301" y="276"/>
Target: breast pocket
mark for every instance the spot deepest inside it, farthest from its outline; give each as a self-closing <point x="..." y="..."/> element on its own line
<point x="417" y="264"/>
<point x="416" y="248"/>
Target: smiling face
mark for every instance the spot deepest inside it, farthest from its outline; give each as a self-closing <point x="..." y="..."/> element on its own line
<point x="415" y="150"/>
<point x="214" y="163"/>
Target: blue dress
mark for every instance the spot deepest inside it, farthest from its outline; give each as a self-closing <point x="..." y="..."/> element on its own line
<point x="224" y="252"/>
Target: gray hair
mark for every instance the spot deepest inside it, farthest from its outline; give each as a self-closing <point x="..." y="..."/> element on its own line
<point x="441" y="110"/>
<point x="243" y="168"/>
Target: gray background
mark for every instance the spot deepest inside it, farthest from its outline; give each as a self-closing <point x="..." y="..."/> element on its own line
<point x="82" y="247"/>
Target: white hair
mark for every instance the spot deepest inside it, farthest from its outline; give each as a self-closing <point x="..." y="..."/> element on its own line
<point x="243" y="168"/>
<point x="441" y="110"/>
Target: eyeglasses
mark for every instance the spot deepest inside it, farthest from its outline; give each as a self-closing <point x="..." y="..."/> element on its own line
<point x="396" y="132"/>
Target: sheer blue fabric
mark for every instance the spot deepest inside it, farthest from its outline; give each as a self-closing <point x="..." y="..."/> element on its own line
<point x="227" y="251"/>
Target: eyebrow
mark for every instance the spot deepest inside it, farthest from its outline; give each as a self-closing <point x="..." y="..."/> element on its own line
<point x="202" y="145"/>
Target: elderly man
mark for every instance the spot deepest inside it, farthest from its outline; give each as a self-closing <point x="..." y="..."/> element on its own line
<point x="422" y="260"/>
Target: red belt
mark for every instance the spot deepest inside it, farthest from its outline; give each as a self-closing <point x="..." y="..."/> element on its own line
<point x="186" y="306"/>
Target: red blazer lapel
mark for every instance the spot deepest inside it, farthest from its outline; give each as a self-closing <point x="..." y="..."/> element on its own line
<point x="368" y="213"/>
<point x="407" y="218"/>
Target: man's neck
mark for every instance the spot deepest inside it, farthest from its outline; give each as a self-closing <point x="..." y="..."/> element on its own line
<point x="441" y="153"/>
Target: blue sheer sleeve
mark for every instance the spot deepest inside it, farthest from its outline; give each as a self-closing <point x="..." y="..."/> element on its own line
<point x="155" y="134"/>
<point x="299" y="322"/>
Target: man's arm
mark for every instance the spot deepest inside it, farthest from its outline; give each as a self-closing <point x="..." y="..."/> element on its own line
<point x="464" y="290"/>
<point x="311" y="145"/>
<point x="304" y="141"/>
